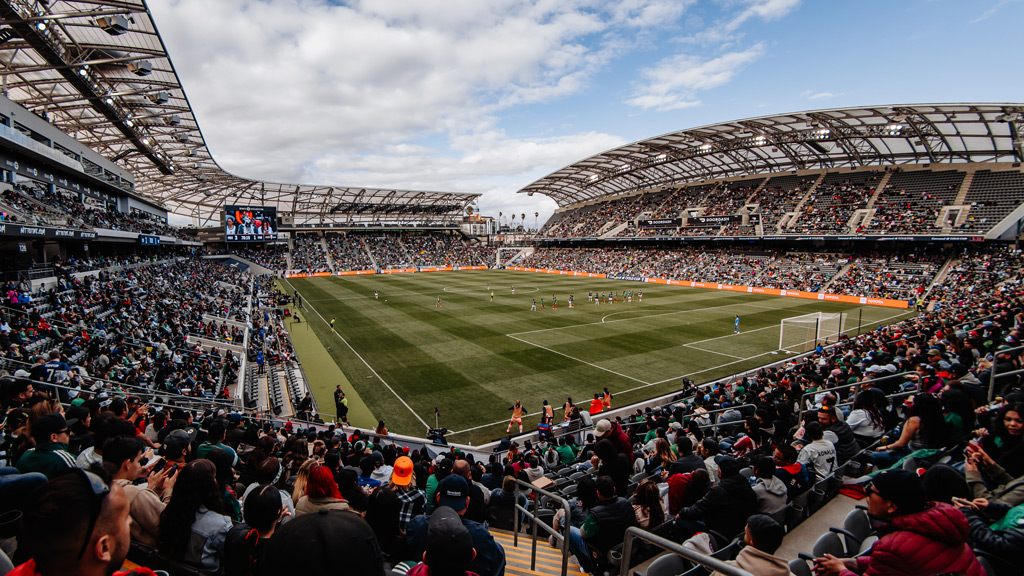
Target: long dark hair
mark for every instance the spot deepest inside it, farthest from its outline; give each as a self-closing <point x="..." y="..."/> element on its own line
<point x="196" y="487"/>
<point x="1000" y="426"/>
<point x="934" y="430"/>
<point x="866" y="401"/>
<point x="648" y="497"/>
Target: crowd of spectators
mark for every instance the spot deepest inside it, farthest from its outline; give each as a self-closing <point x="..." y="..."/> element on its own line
<point x="308" y="254"/>
<point x="215" y="491"/>
<point x="132" y="329"/>
<point x="349" y="252"/>
<point x="270" y="255"/>
<point x="767" y="269"/>
<point x="63" y="209"/>
<point x="902" y="276"/>
<point x="828" y="208"/>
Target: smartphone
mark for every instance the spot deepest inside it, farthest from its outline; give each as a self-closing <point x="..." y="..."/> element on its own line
<point x="174" y="470"/>
<point x="159" y="465"/>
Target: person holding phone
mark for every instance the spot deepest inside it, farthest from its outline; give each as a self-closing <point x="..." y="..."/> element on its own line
<point x="122" y="457"/>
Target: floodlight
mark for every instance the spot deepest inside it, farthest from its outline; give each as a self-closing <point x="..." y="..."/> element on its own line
<point x="114" y="25"/>
<point x="6" y="34"/>
<point x="159" y="98"/>
<point x="141" y="67"/>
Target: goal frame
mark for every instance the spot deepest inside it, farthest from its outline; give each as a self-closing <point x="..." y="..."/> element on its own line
<point x="827" y="325"/>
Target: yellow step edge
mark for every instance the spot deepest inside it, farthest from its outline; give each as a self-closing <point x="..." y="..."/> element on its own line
<point x="556" y="564"/>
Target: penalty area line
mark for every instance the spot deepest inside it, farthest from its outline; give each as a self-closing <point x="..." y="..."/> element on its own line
<point x="367" y="364"/>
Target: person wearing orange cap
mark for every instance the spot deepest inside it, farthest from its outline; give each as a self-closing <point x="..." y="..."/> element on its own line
<point x="411" y="499"/>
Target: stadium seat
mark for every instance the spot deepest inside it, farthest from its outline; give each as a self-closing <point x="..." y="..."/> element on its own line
<point x="800" y="567"/>
<point x="667" y="565"/>
<point x="829" y="543"/>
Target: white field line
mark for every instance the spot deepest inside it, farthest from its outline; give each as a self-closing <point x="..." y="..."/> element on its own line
<point x="576" y="359"/>
<point x="644" y="384"/>
<point x="499" y="292"/>
<point x="638" y="317"/>
<point x="367" y="364"/>
<point x="692" y="347"/>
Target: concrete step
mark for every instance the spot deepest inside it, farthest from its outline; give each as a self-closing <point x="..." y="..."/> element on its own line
<point x="517" y="558"/>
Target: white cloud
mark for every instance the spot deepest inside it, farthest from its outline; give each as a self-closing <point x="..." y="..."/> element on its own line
<point x="316" y="92"/>
<point x="812" y="95"/>
<point x="674" y="82"/>
<point x="726" y="29"/>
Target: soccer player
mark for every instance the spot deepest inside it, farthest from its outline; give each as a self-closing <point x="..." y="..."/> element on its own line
<point x="438" y="300"/>
<point x="590" y="296"/>
<point x="736" y="323"/>
<point x="554" y="302"/>
<point x="492" y="296"/>
<point x="375" y="295"/>
<point x="332" y="324"/>
<point x="517" y="416"/>
<point x="542" y="303"/>
<point x="570" y="301"/>
<point x="533" y="307"/>
<point x="513" y="290"/>
<point x="641" y="296"/>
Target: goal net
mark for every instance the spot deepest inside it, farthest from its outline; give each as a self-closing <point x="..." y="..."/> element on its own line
<point x="803" y="333"/>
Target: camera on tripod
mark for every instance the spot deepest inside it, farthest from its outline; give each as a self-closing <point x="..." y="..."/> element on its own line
<point x="436" y="435"/>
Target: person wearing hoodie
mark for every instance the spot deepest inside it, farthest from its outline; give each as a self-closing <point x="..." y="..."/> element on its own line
<point x="917" y="537"/>
<point x="381" y="471"/>
<point x="762" y="536"/>
<point x="792" y="473"/>
<point x="771" y="492"/>
<point x="612" y="431"/>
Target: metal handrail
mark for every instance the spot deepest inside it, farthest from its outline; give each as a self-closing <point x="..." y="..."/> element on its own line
<point x="806" y="395"/>
<point x="131" y="389"/>
<point x="563" y="538"/>
<point x="993" y="374"/>
<point x="632" y="533"/>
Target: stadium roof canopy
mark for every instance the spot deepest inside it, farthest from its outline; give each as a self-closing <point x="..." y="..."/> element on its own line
<point x="818" y="139"/>
<point x="100" y="72"/>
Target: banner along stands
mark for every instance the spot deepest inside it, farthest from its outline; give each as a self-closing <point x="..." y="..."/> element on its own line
<point x="842" y="298"/>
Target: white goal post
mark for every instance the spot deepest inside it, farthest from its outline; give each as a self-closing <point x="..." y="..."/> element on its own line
<point x="803" y="333"/>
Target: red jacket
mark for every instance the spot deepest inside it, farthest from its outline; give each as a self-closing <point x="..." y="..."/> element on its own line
<point x="620" y="440"/>
<point x="29" y="569"/>
<point x="933" y="541"/>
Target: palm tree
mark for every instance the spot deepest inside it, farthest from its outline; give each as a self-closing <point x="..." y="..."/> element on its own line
<point x="513" y="222"/>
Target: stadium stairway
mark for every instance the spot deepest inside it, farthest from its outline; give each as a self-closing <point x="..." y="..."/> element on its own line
<point x="517" y="558"/>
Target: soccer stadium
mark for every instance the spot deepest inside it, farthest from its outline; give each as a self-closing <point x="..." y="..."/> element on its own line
<point x="784" y="344"/>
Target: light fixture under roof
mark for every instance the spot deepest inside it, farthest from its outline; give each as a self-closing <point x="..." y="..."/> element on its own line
<point x="141" y="67"/>
<point x="159" y="98"/>
<point x="114" y="25"/>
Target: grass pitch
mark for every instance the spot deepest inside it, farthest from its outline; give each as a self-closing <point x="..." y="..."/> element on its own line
<point x="472" y="357"/>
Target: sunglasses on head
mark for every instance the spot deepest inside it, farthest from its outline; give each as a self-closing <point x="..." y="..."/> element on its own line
<point x="100" y="490"/>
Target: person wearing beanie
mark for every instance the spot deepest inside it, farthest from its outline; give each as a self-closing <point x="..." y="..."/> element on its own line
<point x="917" y="537"/>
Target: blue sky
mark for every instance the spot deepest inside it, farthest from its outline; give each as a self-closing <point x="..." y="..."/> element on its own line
<point x="487" y="96"/>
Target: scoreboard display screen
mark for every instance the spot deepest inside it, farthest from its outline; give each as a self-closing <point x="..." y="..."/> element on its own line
<point x="250" y="223"/>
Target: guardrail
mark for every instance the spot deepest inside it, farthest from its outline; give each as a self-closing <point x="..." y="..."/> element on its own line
<point x="537" y="523"/>
<point x="634" y="533"/>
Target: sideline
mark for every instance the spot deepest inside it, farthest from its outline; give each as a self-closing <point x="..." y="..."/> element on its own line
<point x="370" y="368"/>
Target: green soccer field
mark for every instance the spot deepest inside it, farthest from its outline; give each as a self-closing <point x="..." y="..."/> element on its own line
<point x="472" y="357"/>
